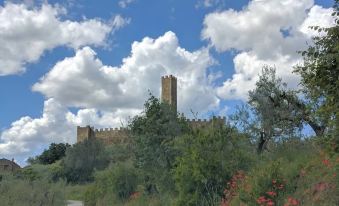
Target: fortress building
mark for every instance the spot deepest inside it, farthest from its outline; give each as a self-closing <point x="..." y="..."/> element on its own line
<point x="168" y="94"/>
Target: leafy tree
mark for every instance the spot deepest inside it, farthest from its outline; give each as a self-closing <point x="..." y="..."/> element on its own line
<point x="54" y="153"/>
<point x="82" y="159"/>
<point x="320" y="71"/>
<point x="275" y="112"/>
<point x="209" y="158"/>
<point x="154" y="133"/>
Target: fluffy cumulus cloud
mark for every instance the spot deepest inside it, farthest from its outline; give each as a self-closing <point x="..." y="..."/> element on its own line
<point x="25" y="33"/>
<point x="107" y="96"/>
<point x="26" y="133"/>
<point x="83" y="81"/>
<point x="57" y="124"/>
<point x="263" y="33"/>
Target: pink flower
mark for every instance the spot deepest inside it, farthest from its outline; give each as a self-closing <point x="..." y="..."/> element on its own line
<point x="271" y="193"/>
<point x="261" y="200"/>
<point x="270" y="203"/>
<point x="326" y="162"/>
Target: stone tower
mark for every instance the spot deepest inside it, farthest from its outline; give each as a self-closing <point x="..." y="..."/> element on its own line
<point x="169" y="90"/>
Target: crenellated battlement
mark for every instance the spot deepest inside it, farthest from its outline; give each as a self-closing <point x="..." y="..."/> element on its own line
<point x="108" y="135"/>
<point x="109" y="129"/>
<point x="199" y="123"/>
<point x="168" y="77"/>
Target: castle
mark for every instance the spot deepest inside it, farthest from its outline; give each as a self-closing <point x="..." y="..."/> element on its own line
<point x="168" y="94"/>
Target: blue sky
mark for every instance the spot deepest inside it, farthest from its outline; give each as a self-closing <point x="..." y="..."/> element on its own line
<point x="99" y="58"/>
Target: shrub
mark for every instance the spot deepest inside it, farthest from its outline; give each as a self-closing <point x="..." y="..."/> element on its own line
<point x="18" y="192"/>
<point x="54" y="153"/>
<point x="309" y="178"/>
<point x="82" y="159"/>
<point x="113" y="185"/>
<point x="209" y="158"/>
<point x="154" y="133"/>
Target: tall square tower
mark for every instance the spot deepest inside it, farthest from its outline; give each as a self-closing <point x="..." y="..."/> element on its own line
<point x="169" y="90"/>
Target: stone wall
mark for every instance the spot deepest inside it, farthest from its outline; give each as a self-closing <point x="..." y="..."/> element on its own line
<point x="203" y="123"/>
<point x="107" y="135"/>
<point x="112" y="135"/>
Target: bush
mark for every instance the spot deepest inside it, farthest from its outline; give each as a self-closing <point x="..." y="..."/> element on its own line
<point x="18" y="192"/>
<point x="54" y="153"/>
<point x="209" y="158"/>
<point x="82" y="159"/>
<point x="154" y="133"/>
<point x="113" y="185"/>
<point x="308" y="178"/>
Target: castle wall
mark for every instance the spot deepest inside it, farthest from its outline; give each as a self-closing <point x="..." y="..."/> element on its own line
<point x="111" y="136"/>
<point x="203" y="123"/>
<point x="118" y="135"/>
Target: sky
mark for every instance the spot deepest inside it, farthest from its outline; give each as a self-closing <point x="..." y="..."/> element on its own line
<point x="68" y="63"/>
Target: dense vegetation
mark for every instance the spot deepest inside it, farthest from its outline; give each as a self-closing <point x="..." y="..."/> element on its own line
<point x="260" y="156"/>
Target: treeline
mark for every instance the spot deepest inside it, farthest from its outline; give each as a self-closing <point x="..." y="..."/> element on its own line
<point x="260" y="156"/>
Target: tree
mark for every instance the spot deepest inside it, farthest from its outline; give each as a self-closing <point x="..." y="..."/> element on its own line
<point x="276" y="112"/>
<point x="154" y="133"/>
<point x="54" y="153"/>
<point x="320" y="78"/>
<point x="320" y="71"/>
<point x="209" y="157"/>
<point x="82" y="159"/>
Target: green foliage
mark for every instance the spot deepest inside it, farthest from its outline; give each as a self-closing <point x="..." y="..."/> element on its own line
<point x="154" y="133"/>
<point x="18" y="192"/>
<point x="54" y="153"/>
<point x="76" y="191"/>
<point x="297" y="171"/>
<point x="209" y="158"/>
<point x="113" y="185"/>
<point x="320" y="72"/>
<point x="120" y="152"/>
<point x="277" y="115"/>
<point x="82" y="159"/>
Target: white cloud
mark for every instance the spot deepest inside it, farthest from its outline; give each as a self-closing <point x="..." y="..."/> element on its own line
<point x="83" y="81"/>
<point x="317" y="16"/>
<point x="118" y="22"/>
<point x="124" y="3"/>
<point x="263" y="33"/>
<point x="108" y="95"/>
<point x="27" y="136"/>
<point x="26" y="33"/>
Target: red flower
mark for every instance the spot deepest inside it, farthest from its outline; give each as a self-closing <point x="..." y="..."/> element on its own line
<point x="281" y="186"/>
<point x="326" y="162"/>
<point x="271" y="193"/>
<point x="261" y="200"/>
<point x="270" y="203"/>
<point x="292" y="201"/>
